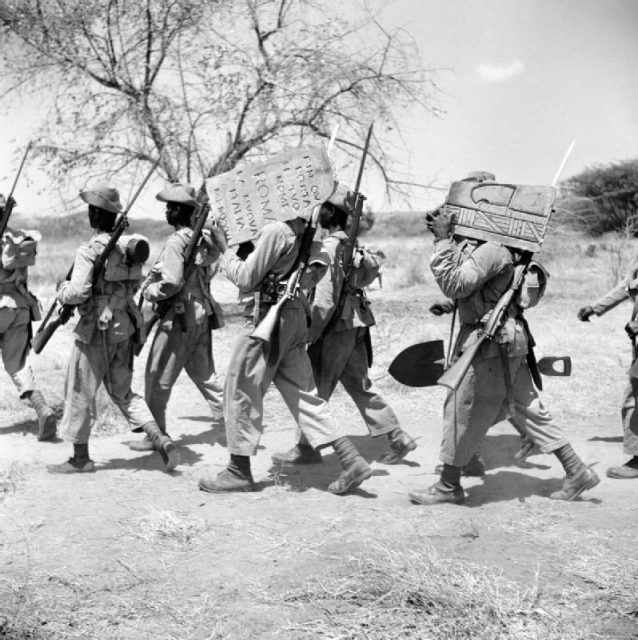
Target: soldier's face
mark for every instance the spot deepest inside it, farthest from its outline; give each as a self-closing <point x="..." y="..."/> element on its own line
<point x="171" y="211"/>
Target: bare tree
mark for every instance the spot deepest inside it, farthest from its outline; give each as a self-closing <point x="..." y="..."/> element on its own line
<point x="208" y="83"/>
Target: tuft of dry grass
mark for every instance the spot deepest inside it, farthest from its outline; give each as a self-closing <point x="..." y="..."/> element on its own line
<point x="172" y="526"/>
<point x="11" y="478"/>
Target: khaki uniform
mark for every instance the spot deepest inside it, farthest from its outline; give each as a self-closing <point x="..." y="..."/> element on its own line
<point x="284" y="362"/>
<point x="17" y="308"/>
<point x="477" y="276"/>
<point x="625" y="290"/>
<point x="343" y="352"/>
<point x="183" y="339"/>
<point x="104" y="340"/>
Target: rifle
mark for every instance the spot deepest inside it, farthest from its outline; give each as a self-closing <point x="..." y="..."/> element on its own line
<point x="8" y="207"/>
<point x="265" y="330"/>
<point x="48" y="327"/>
<point x="453" y="377"/>
<point x="162" y="307"/>
<point x="350" y="243"/>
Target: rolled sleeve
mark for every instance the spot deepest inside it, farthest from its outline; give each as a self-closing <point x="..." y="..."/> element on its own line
<point x="79" y="287"/>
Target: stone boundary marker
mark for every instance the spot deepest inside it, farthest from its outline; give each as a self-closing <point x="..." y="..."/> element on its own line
<point x="287" y="186"/>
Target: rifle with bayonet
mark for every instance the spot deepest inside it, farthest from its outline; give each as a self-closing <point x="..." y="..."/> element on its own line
<point x="49" y="326"/>
<point x="161" y="308"/>
<point x="355" y="201"/>
<point x="10" y="203"/>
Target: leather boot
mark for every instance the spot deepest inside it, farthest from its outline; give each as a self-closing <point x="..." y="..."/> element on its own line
<point x="355" y="468"/>
<point x="438" y="493"/>
<point x="145" y="444"/>
<point x="627" y="471"/>
<point x="575" y="484"/>
<point x="47" y="422"/>
<point x="300" y="454"/>
<point x="164" y="445"/>
<point x="400" y="445"/>
<point x="230" y="479"/>
<point x="80" y="462"/>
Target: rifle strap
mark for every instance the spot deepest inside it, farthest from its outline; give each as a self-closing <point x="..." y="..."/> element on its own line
<point x="531" y="356"/>
<point x="507" y="377"/>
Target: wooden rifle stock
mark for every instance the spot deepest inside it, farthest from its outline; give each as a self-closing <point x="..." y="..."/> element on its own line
<point x="48" y="327"/>
<point x="265" y="329"/>
<point x="453" y="377"/>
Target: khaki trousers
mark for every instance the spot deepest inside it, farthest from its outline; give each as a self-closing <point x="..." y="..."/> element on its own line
<point x="15" y="334"/>
<point x="86" y="371"/>
<point x="341" y="356"/>
<point x="630" y="418"/>
<point x="172" y="351"/>
<point x="253" y="366"/>
<point x="481" y="401"/>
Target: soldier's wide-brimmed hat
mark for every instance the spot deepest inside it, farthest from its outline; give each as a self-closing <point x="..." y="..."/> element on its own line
<point x="179" y="192"/>
<point x="480" y="176"/>
<point x="103" y="197"/>
<point x="338" y="198"/>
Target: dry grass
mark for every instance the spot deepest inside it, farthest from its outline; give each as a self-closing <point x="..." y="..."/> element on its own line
<point x="171" y="526"/>
<point x="386" y="594"/>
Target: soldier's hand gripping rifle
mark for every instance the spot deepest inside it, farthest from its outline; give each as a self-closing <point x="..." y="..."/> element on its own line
<point x="265" y="330"/>
<point x="453" y="377"/>
<point x="48" y="326"/>
<point x="355" y="202"/>
<point x="8" y="207"/>
<point x="190" y="253"/>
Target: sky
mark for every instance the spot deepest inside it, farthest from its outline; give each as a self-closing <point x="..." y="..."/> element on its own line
<point x="519" y="80"/>
<point x="526" y="78"/>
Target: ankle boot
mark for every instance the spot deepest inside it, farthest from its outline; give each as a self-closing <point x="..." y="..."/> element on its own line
<point x="400" y="445"/>
<point x="300" y="454"/>
<point x="47" y="422"/>
<point x="164" y="445"/>
<point x="355" y="468"/>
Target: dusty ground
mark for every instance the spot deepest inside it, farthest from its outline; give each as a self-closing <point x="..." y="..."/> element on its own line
<point x="134" y="552"/>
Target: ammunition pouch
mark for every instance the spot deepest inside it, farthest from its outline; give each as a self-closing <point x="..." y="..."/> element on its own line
<point x="268" y="294"/>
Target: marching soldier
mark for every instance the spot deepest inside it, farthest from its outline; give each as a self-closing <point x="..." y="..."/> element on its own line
<point x="341" y="349"/>
<point x="476" y="274"/>
<point x="18" y="308"/>
<point x="104" y="337"/>
<point x="626" y="289"/>
<point x="284" y="361"/>
<point x="183" y="339"/>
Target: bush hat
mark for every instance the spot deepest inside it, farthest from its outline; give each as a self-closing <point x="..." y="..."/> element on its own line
<point x="338" y="198"/>
<point x="103" y="197"/>
<point x="480" y="176"/>
<point x="180" y="193"/>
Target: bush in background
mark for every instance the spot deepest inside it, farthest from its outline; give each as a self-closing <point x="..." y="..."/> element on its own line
<point x="602" y="198"/>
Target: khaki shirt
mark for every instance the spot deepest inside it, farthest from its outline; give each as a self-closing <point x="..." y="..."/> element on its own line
<point x="625" y="289"/>
<point x="166" y="279"/>
<point x="477" y="275"/>
<point x="356" y="308"/>
<point x="275" y="252"/>
<point x="13" y="282"/>
<point x="107" y="306"/>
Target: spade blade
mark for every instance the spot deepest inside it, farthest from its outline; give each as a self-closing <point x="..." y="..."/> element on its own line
<point x="420" y="365"/>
